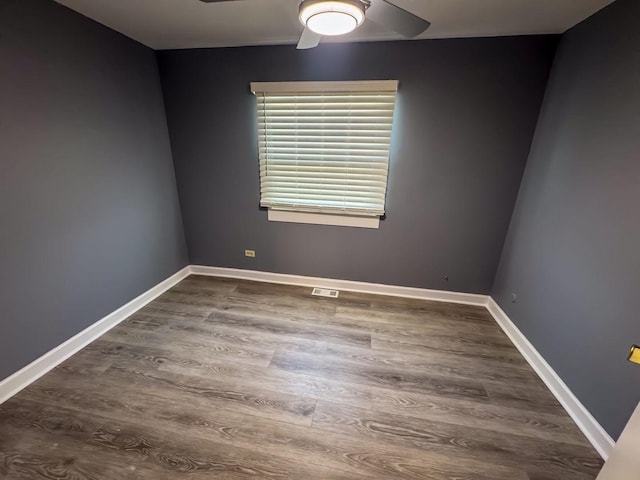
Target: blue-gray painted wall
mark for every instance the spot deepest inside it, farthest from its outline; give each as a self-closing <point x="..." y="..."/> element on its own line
<point x="464" y="121"/>
<point x="89" y="214"/>
<point x="572" y="253"/>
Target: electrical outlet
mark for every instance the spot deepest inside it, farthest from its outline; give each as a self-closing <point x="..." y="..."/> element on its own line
<point x="514" y="298"/>
<point x="250" y="253"/>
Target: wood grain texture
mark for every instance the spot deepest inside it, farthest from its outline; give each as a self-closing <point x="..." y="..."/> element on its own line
<point x="230" y="379"/>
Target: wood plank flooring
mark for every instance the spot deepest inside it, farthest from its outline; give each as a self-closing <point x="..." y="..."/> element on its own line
<point x="230" y="379"/>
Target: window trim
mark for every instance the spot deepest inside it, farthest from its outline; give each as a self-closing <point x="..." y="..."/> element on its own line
<point x="292" y="216"/>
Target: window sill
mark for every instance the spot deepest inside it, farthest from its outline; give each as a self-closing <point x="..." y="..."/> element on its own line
<point x="323" y="219"/>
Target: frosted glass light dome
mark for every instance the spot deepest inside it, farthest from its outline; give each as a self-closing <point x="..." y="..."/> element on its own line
<point x="331" y="17"/>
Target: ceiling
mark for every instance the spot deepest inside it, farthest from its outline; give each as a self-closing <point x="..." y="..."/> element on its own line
<point x="168" y="24"/>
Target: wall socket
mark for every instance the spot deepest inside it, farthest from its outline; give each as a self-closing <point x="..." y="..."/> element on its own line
<point x="250" y="253"/>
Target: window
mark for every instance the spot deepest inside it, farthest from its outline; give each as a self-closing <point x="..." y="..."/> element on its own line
<point x="324" y="150"/>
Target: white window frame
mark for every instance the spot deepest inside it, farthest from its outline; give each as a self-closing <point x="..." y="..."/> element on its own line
<point x="352" y="213"/>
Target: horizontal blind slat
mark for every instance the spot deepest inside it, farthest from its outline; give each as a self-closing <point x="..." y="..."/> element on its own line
<point x="311" y="130"/>
<point x="328" y="179"/>
<point x="336" y="172"/>
<point x="320" y="163"/>
<point x="323" y="203"/>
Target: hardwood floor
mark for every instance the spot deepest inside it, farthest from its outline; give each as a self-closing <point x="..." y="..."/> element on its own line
<point x="231" y="379"/>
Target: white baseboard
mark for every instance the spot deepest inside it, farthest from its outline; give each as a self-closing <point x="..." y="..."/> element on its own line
<point x="594" y="432"/>
<point x="29" y="374"/>
<point x="346" y="285"/>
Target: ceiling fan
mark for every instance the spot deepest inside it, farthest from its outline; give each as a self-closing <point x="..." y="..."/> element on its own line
<point x="337" y="17"/>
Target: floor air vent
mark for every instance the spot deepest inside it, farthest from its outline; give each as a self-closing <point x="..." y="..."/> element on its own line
<point x="324" y="292"/>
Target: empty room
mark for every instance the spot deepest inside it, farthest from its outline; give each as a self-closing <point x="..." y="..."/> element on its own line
<point x="319" y="239"/>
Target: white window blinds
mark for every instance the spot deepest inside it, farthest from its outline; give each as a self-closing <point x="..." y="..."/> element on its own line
<point x="324" y="146"/>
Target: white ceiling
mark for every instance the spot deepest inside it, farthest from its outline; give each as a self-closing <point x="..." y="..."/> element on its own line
<point x="167" y="24"/>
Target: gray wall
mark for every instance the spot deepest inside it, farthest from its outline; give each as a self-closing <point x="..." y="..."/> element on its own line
<point x="572" y="253"/>
<point x="89" y="216"/>
<point x="465" y="118"/>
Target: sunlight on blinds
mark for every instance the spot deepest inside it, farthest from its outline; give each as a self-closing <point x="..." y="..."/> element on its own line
<point x="324" y="146"/>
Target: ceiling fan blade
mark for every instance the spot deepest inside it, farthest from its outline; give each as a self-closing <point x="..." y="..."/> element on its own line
<point x="308" y="39"/>
<point x="396" y="19"/>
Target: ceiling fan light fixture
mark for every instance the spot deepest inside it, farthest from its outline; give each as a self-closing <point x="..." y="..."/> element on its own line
<point x="331" y="17"/>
